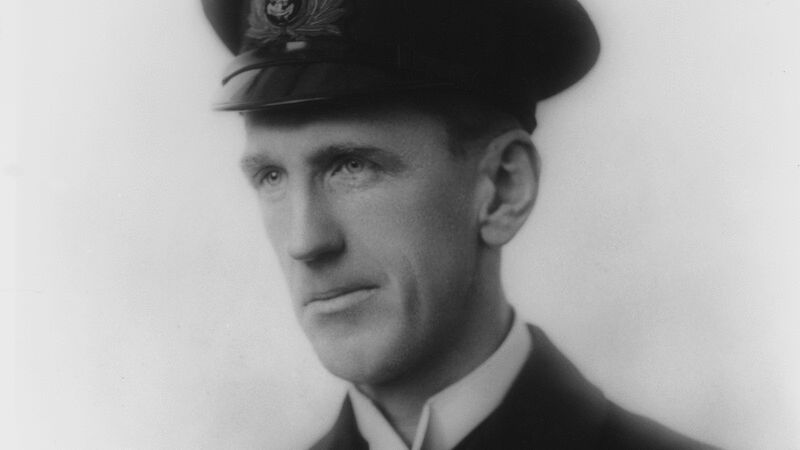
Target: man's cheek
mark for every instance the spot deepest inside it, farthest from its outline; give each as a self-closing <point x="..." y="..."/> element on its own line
<point x="276" y="229"/>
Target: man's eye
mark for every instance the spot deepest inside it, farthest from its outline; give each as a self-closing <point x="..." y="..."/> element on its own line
<point x="351" y="166"/>
<point x="354" y="171"/>
<point x="271" y="177"/>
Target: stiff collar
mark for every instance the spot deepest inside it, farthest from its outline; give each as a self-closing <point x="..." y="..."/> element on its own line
<point x="451" y="414"/>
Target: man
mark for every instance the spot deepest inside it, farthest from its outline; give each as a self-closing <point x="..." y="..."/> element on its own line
<point x="389" y="144"/>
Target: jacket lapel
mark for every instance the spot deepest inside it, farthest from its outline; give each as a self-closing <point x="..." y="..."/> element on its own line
<point x="344" y="434"/>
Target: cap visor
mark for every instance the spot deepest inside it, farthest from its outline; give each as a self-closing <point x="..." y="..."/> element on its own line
<point x="268" y="87"/>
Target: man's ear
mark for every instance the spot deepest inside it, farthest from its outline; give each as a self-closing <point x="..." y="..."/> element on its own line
<point x="509" y="181"/>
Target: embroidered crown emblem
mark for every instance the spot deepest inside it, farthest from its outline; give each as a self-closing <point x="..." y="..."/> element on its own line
<point x="294" y="19"/>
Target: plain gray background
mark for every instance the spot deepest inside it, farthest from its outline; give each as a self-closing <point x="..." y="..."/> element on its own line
<point x="662" y="255"/>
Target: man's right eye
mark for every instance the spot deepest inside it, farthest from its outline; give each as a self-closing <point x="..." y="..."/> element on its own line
<point x="270" y="177"/>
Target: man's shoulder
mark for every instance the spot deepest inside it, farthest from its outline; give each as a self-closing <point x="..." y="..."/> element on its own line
<point x="605" y="424"/>
<point x="549" y="406"/>
<point x="623" y="430"/>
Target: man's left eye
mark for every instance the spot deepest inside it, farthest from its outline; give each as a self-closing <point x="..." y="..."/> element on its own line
<point x="354" y="171"/>
<point x="353" y="165"/>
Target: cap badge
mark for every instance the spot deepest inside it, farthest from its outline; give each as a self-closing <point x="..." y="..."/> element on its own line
<point x="271" y="20"/>
<point x="282" y="12"/>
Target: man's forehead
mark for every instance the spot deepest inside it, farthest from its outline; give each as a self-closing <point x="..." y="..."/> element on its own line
<point x="395" y="129"/>
<point x="341" y="122"/>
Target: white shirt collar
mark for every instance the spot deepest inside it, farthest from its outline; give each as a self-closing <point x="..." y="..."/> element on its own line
<point x="450" y="415"/>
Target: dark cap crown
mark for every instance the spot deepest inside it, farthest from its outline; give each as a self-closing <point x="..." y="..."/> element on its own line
<point x="508" y="52"/>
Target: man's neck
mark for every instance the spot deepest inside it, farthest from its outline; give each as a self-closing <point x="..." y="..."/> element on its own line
<point x="402" y="401"/>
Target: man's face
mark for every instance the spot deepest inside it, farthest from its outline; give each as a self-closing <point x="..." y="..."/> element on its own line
<point x="375" y="225"/>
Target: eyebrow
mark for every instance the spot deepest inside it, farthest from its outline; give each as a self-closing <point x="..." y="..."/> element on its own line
<point x="327" y="155"/>
<point x="251" y="163"/>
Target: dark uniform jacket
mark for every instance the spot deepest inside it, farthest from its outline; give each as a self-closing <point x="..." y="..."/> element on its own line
<point x="549" y="406"/>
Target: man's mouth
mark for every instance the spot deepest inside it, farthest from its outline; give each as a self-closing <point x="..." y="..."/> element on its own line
<point x="339" y="299"/>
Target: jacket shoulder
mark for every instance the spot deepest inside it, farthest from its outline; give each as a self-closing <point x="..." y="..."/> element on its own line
<point x="625" y="430"/>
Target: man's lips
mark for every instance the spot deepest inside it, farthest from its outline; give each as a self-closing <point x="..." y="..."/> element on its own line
<point x="337" y="292"/>
<point x="339" y="299"/>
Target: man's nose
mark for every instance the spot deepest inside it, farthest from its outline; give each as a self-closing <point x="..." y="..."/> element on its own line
<point x="314" y="232"/>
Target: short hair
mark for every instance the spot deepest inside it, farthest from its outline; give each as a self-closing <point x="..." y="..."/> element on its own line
<point x="470" y="122"/>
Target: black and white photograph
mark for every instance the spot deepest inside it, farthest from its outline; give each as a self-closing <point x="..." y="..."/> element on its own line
<point x="400" y="224"/>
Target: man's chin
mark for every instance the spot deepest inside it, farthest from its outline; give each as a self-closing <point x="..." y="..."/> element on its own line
<point x="363" y="357"/>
